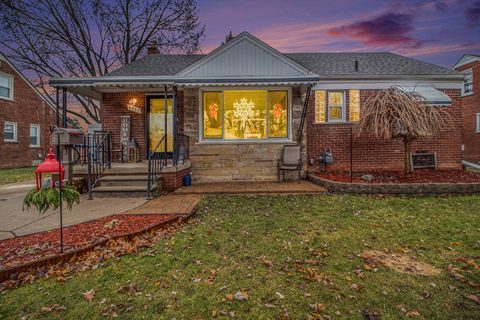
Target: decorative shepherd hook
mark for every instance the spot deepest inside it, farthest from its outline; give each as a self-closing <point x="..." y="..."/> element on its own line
<point x="60" y="193"/>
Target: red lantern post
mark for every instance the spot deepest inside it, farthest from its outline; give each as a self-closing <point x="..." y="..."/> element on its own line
<point x="50" y="165"/>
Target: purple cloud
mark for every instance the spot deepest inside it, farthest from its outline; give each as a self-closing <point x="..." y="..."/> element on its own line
<point x="472" y="13"/>
<point x="441" y="6"/>
<point x="388" y="29"/>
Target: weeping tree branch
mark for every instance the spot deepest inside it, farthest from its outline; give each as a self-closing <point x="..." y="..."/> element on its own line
<point x="397" y="114"/>
<point x="88" y="38"/>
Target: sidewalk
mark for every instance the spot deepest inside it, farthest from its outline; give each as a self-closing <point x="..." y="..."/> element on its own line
<point x="14" y="222"/>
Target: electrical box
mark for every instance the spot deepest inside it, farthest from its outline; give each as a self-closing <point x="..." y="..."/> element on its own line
<point x="327" y="156"/>
<point x="65" y="137"/>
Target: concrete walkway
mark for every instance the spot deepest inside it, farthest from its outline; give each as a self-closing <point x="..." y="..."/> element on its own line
<point x="14" y="222"/>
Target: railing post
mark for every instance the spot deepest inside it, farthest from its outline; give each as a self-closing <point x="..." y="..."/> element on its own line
<point x="89" y="174"/>
<point x="109" y="150"/>
<point x="149" y="176"/>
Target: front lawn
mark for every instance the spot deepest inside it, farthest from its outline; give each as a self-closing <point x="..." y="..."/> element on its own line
<point x="286" y="257"/>
<point x="17" y="175"/>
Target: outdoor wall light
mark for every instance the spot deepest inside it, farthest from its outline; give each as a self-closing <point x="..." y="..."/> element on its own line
<point x="132" y="106"/>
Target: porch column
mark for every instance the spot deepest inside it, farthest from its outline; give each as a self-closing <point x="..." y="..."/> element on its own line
<point x="165" y="112"/>
<point x="175" y="126"/>
<point x="57" y="106"/>
<point x="64" y="107"/>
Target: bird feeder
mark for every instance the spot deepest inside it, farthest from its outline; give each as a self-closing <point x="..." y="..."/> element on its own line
<point x="132" y="151"/>
<point x="50" y="165"/>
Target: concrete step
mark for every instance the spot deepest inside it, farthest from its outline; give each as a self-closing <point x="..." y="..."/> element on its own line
<point x="124" y="180"/>
<point x="123" y="191"/>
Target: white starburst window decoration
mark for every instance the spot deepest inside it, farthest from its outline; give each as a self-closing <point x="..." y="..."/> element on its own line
<point x="243" y="109"/>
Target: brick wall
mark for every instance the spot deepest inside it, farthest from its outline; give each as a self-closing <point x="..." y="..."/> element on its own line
<point x="115" y="105"/>
<point x="173" y="180"/>
<point x="369" y="153"/>
<point x="470" y="107"/>
<point x="26" y="108"/>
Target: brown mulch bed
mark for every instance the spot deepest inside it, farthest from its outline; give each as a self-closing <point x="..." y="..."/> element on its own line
<point x="29" y="248"/>
<point x="418" y="176"/>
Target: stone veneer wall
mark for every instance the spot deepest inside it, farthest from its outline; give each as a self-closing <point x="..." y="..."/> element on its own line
<point x="235" y="161"/>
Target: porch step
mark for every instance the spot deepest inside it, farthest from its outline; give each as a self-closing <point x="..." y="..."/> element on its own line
<point x="122" y="191"/>
<point x="124" y="180"/>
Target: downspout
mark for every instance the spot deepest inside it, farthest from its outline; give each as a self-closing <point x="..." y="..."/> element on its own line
<point x="304" y="114"/>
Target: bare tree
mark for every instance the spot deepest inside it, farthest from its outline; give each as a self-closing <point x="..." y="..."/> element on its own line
<point x="394" y="113"/>
<point x="88" y="38"/>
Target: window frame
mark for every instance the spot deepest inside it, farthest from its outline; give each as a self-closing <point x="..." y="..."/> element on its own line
<point x="37" y="126"/>
<point x="477" y="118"/>
<point x="222" y="140"/>
<point x="11" y="83"/>
<point x="465" y="72"/>
<point x="15" y="132"/>
<point x="344" y="111"/>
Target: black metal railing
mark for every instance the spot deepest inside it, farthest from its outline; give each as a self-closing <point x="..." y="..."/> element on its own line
<point x="99" y="158"/>
<point x="90" y="142"/>
<point x="157" y="159"/>
<point x="183" y="149"/>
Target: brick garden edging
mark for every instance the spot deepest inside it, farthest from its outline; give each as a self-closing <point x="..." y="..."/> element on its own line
<point x="66" y="256"/>
<point x="397" y="188"/>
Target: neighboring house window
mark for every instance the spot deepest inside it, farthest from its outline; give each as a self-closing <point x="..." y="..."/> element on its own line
<point x="468" y="82"/>
<point x="34" y="136"/>
<point x="6" y="86"/>
<point x="10" y="132"/>
<point x="478" y="122"/>
<point x="245" y="115"/>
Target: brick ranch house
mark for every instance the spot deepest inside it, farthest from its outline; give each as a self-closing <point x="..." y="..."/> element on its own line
<point x="243" y="102"/>
<point x="469" y="65"/>
<point x="25" y="119"/>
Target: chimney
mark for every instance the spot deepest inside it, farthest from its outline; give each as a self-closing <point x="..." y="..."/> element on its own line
<point x="356" y="65"/>
<point x="153" y="49"/>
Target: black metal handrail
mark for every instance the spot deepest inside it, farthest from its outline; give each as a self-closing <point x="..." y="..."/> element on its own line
<point x="99" y="158"/>
<point x="182" y="149"/>
<point x="157" y="159"/>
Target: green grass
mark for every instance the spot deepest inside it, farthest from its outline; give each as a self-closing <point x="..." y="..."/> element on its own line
<point x="17" y="175"/>
<point x="253" y="243"/>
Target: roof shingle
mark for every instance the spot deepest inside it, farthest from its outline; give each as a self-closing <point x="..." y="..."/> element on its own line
<point x="369" y="63"/>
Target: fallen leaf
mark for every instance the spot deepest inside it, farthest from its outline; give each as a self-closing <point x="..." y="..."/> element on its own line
<point x="317" y="307"/>
<point x="229" y="297"/>
<point x="89" y="295"/>
<point x="474" y="298"/>
<point x="280" y="296"/>
<point x="413" y="313"/>
<point x="54" y="308"/>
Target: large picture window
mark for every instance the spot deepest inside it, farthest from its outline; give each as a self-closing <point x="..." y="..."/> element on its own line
<point x="245" y="115"/>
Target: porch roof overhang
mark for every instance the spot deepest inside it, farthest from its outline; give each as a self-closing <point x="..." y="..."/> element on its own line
<point x="94" y="87"/>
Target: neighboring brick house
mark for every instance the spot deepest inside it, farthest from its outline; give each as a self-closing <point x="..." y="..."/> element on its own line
<point x="25" y="119"/>
<point x="469" y="65"/>
<point x="243" y="102"/>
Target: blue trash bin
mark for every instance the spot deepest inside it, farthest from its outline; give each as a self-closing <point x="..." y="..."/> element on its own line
<point x="187" y="180"/>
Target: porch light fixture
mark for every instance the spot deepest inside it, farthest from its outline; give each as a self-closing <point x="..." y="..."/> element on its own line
<point x="132" y="106"/>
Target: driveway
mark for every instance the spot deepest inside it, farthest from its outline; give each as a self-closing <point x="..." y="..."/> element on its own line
<point x="15" y="222"/>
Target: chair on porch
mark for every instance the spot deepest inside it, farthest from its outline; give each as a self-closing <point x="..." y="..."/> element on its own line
<point x="290" y="161"/>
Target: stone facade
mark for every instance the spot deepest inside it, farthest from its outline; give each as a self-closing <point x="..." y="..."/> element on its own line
<point x="369" y="153"/>
<point x="470" y="108"/>
<point x="226" y="161"/>
<point x="26" y="108"/>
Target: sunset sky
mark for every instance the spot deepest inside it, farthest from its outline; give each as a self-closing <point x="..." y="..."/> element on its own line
<point x="435" y="31"/>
